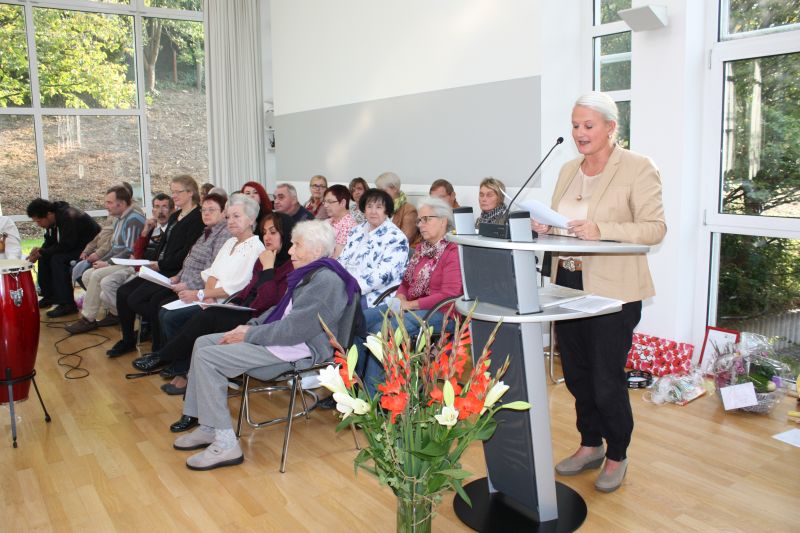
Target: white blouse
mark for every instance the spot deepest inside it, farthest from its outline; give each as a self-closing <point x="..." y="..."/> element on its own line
<point x="233" y="266"/>
<point x="13" y="242"/>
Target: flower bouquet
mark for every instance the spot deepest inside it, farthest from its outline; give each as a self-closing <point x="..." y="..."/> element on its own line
<point x="428" y="410"/>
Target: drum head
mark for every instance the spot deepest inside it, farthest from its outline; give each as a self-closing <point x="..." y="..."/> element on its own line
<point x="8" y="266"/>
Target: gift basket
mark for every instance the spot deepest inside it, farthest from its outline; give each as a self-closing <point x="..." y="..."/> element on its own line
<point x="752" y="360"/>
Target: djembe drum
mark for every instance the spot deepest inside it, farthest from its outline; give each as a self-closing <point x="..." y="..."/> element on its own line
<point x="19" y="334"/>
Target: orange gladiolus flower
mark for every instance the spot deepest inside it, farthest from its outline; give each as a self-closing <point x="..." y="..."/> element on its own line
<point x="395" y="403"/>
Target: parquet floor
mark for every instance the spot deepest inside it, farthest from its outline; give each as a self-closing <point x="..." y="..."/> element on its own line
<point x="106" y="463"/>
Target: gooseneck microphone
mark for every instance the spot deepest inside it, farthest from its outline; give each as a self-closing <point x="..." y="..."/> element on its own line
<point x="535" y="170"/>
<point x="502" y="231"/>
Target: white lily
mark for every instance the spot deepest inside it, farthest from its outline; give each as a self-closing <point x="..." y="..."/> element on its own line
<point x="448" y="417"/>
<point x="494" y="394"/>
<point x="330" y="378"/>
<point x="347" y="405"/>
<point x="375" y="345"/>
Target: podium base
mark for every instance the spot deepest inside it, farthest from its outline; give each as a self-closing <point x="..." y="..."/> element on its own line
<point x="489" y="513"/>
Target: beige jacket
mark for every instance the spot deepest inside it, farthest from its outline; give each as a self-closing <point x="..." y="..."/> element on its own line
<point x="626" y="206"/>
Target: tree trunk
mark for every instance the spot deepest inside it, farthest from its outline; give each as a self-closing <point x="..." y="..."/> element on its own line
<point x="198" y="75"/>
<point x="174" y="65"/>
<point x="153" y="28"/>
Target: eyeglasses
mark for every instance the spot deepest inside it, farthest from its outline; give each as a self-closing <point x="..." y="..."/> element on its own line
<point x="330" y="202"/>
<point x="178" y="192"/>
<point x="426" y="219"/>
<point x="318" y="186"/>
<point x="210" y="211"/>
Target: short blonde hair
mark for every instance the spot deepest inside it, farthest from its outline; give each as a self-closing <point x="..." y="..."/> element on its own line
<point x="388" y="179"/>
<point x="496" y="185"/>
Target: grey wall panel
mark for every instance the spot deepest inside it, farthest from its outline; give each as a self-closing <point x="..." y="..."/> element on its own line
<point x="462" y="134"/>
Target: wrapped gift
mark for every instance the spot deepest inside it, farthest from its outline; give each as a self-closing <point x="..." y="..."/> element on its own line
<point x="659" y="356"/>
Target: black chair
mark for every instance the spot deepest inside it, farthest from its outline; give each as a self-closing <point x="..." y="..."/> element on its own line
<point x="292" y="381"/>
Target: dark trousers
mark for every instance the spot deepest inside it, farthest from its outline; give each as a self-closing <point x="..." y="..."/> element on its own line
<point x="178" y="348"/>
<point x="141" y="297"/>
<point x="593" y="355"/>
<point x="54" y="277"/>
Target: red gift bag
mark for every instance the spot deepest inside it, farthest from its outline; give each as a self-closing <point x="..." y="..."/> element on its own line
<point x="659" y="356"/>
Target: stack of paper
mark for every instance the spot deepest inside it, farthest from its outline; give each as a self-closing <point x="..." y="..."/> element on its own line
<point x="592" y="304"/>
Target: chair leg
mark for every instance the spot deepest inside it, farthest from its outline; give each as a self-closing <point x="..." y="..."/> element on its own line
<point x="289" y="419"/>
<point x="244" y="406"/>
<point x="355" y="436"/>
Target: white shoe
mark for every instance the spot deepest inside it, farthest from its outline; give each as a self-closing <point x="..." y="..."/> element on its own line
<point x="215" y="457"/>
<point x="310" y="381"/>
<point x="199" y="438"/>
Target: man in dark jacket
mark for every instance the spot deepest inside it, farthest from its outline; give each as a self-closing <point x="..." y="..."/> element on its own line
<point x="67" y="232"/>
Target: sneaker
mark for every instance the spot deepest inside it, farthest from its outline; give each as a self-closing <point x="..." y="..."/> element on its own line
<point x="63" y="310"/>
<point x="83" y="325"/>
<point x="199" y="438"/>
<point x="109" y="320"/>
<point x="310" y="381"/>
<point x="215" y="457"/>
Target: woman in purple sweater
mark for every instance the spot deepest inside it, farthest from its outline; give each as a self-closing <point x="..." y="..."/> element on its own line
<point x="266" y="287"/>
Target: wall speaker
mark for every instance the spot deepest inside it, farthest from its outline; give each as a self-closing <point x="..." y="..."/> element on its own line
<point x="645" y="18"/>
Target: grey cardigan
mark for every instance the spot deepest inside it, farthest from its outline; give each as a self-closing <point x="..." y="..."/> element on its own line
<point x="322" y="296"/>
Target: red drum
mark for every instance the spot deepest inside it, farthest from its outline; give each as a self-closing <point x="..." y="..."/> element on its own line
<point x="19" y="325"/>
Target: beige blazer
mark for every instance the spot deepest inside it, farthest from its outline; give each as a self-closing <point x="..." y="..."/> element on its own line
<point x="626" y="206"/>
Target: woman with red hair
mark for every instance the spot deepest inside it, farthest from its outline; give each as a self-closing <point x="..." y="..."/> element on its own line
<point x="257" y="192"/>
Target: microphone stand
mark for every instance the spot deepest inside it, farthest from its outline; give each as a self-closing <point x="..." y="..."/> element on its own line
<point x="501" y="231"/>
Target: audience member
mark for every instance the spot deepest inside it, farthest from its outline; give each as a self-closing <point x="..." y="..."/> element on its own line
<point x="204" y="190"/>
<point x="286" y="202"/>
<point x="286" y="336"/>
<point x="257" y="192"/>
<point x="317" y="186"/>
<point x="67" y="231"/>
<point x="490" y="200"/>
<point x="128" y="226"/>
<point x="337" y="205"/>
<point x="358" y="186"/>
<point x="10" y="242"/>
<point x="443" y="189"/>
<point x="405" y="214"/>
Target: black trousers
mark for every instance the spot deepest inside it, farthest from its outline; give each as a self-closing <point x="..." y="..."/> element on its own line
<point x="142" y="297"/>
<point x="54" y="279"/>
<point x="593" y="355"/>
<point x="178" y="349"/>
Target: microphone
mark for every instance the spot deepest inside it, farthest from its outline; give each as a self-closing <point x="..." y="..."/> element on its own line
<point x="502" y="231"/>
<point x="514" y="199"/>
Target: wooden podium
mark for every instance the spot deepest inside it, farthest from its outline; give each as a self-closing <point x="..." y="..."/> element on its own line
<point x="499" y="277"/>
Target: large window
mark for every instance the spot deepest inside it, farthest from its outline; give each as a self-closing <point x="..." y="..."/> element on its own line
<point x="95" y="92"/>
<point x="753" y="204"/>
<point x="611" y="48"/>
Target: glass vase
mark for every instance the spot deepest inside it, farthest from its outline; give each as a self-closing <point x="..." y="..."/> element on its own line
<point x="414" y="515"/>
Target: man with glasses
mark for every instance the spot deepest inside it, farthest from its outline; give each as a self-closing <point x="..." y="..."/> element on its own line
<point x="285" y="201"/>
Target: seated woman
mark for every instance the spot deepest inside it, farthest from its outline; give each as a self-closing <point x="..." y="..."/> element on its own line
<point x="358" y="186"/>
<point x="405" y="214"/>
<point x="376" y="252"/>
<point x="267" y="286"/>
<point x="317" y="186"/>
<point x="289" y="334"/>
<point x="490" y="200"/>
<point x="337" y="205"/>
<point x="256" y="191"/>
<point x="432" y="275"/>
<point x="228" y="274"/>
<point x="189" y="243"/>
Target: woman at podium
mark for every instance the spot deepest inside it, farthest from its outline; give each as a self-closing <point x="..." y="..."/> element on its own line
<point x="607" y="193"/>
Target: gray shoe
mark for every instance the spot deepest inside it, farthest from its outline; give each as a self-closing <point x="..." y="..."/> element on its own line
<point x="611" y="482"/>
<point x="83" y="325"/>
<point x="575" y="465"/>
<point x="109" y="320"/>
<point x="215" y="457"/>
<point x="197" y="439"/>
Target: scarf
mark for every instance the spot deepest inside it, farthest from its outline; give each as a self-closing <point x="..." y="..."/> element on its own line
<point x="491" y="216"/>
<point x="296" y="276"/>
<point x="419" y="284"/>
<point x="399" y="201"/>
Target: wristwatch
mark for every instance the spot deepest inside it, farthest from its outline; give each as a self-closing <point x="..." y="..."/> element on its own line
<point x="201" y="295"/>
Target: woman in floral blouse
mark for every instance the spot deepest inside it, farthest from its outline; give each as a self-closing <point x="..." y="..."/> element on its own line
<point x="376" y="251"/>
<point x="336" y="201"/>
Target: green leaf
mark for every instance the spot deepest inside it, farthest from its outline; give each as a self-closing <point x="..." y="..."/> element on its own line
<point x="449" y="394"/>
<point x="460" y="491"/>
<point x="486" y="431"/>
<point x="352" y="359"/>
<point x="516" y="406"/>
<point x="455" y="473"/>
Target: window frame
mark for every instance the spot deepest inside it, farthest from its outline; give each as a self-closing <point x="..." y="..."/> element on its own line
<point x="597" y="30"/>
<point x="138" y="11"/>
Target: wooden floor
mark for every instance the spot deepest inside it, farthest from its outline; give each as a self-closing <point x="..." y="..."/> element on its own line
<point x="106" y="463"/>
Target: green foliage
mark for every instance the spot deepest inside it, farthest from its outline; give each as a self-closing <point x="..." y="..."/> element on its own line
<point x="14" y="81"/>
<point x="609" y="9"/>
<point x="750" y="15"/>
<point x="757" y="276"/>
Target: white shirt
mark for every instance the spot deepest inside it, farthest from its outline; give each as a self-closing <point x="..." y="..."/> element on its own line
<point x="233" y="266"/>
<point x="13" y="242"/>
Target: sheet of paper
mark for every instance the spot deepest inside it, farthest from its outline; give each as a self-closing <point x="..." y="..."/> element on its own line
<point x="130" y="262"/>
<point x="553" y="295"/>
<point x="789" y="437"/>
<point x="736" y="396"/>
<point x="592" y="304"/>
<point x="178" y="304"/>
<point x="540" y="212"/>
<point x="227" y="306"/>
<point x="151" y="275"/>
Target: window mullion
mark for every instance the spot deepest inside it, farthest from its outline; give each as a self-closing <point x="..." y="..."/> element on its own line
<point x="144" y="146"/>
<point x="33" y="79"/>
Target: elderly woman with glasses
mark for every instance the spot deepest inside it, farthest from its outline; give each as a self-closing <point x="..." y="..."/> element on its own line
<point x="289" y="334"/>
<point x="317" y="186"/>
<point x="432" y="275"/>
<point x="337" y="205"/>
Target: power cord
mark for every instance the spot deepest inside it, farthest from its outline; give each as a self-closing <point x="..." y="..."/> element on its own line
<point x="74" y="371"/>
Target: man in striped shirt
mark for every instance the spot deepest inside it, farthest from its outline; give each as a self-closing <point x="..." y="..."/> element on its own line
<point x="129" y="224"/>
